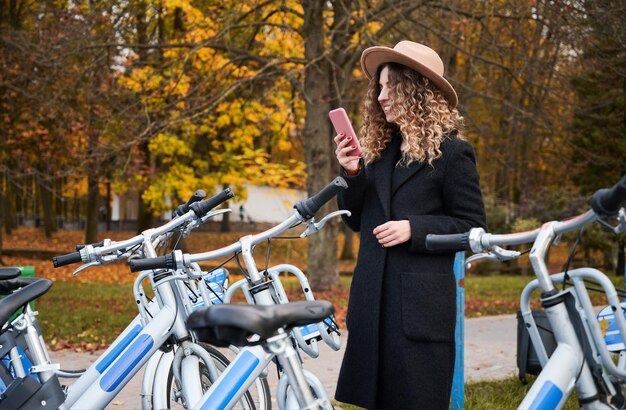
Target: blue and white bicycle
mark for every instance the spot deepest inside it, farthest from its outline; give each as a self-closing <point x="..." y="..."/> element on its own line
<point x="261" y="345"/>
<point x="582" y="361"/>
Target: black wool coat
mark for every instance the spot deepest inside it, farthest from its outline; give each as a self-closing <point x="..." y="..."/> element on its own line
<point x="402" y="307"/>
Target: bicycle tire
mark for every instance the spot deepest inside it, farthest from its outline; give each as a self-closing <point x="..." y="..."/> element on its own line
<point x="256" y="398"/>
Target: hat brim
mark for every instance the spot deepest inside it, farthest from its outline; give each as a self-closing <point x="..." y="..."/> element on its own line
<point x="373" y="57"/>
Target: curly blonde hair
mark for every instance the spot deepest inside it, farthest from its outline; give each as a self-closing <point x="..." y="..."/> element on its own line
<point x="422" y="113"/>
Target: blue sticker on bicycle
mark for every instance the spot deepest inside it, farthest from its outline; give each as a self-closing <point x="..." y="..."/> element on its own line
<point x="120" y="369"/>
<point x="548" y="397"/>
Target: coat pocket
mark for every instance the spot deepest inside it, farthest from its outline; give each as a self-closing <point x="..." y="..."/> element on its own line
<point x="428" y="306"/>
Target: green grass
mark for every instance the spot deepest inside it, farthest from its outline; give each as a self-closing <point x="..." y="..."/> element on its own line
<point x="78" y="313"/>
<point x="491" y="395"/>
<point x="503" y="394"/>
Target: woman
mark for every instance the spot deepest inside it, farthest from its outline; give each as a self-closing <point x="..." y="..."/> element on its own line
<point x="418" y="176"/>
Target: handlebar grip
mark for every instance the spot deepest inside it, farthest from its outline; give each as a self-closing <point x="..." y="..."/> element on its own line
<point x="63" y="260"/>
<point x="160" y="262"/>
<point x="95" y="245"/>
<point x="309" y="207"/>
<point x="606" y="202"/>
<point x="452" y="242"/>
<point x="203" y="207"/>
<point x="195" y="197"/>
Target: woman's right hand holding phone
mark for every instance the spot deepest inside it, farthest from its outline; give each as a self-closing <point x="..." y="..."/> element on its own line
<point x="344" y="146"/>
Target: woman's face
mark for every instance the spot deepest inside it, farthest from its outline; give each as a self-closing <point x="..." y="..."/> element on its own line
<point x="384" y="99"/>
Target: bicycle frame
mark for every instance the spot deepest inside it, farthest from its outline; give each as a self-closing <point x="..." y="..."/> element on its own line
<point x="587" y="314"/>
<point x="249" y="364"/>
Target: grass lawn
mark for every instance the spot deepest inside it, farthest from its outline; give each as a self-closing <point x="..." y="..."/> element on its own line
<point x="492" y="395"/>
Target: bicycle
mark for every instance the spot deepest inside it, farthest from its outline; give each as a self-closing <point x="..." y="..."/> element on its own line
<point x="151" y="330"/>
<point x="262" y="289"/>
<point x="581" y="360"/>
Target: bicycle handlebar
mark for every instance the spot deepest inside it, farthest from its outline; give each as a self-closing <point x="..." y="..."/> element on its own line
<point x="451" y="242"/>
<point x="95" y="245"/>
<point x="68" y="259"/>
<point x="204" y="207"/>
<point x="184" y="208"/>
<point x="309" y="207"/>
<point x="160" y="262"/>
<point x="607" y="202"/>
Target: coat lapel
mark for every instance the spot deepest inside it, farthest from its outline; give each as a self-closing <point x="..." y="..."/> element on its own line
<point x="383" y="170"/>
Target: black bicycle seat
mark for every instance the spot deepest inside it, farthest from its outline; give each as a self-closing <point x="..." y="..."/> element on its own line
<point x="9" y="273"/>
<point x="228" y="324"/>
<point x="9" y="285"/>
<point x="14" y="301"/>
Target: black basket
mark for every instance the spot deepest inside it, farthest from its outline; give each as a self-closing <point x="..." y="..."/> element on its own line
<point x="527" y="359"/>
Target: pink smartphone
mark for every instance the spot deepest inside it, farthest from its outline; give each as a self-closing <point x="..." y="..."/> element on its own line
<point x="342" y="125"/>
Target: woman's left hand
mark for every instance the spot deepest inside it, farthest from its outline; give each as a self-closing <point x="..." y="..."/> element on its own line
<point x="393" y="233"/>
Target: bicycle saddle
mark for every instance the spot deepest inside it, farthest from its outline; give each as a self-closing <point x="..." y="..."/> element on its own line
<point x="14" y="301"/>
<point x="9" y="273"/>
<point x="9" y="285"/>
<point x="228" y="324"/>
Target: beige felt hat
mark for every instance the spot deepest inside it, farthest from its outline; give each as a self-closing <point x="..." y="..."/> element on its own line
<point x="416" y="56"/>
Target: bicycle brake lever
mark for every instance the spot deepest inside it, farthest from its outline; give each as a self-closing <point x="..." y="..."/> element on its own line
<point x="495" y="254"/>
<point x="103" y="260"/>
<point x="85" y="266"/>
<point x="196" y="223"/>
<point x="313" y="227"/>
<point x="479" y="256"/>
<point x="504" y="254"/>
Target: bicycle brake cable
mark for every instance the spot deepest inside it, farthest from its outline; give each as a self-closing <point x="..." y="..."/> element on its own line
<point x="570" y="258"/>
<point x="241" y="268"/>
<point x="267" y="255"/>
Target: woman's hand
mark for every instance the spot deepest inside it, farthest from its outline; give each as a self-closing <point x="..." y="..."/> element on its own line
<point x="393" y="233"/>
<point x="344" y="146"/>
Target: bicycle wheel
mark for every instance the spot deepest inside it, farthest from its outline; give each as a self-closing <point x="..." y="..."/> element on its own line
<point x="256" y="398"/>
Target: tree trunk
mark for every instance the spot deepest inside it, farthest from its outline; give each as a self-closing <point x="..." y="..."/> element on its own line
<point x="322" y="247"/>
<point x="108" y="205"/>
<point x="91" y="229"/>
<point x="47" y="205"/>
<point x="347" y="253"/>
<point x="225" y="224"/>
<point x="10" y="216"/>
<point x="58" y="202"/>
<point x="3" y="201"/>
<point x="144" y="216"/>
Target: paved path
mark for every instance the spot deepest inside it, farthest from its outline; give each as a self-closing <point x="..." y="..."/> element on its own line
<point x="490" y="348"/>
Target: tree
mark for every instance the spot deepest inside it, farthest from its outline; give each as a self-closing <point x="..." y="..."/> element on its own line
<point x="599" y="123"/>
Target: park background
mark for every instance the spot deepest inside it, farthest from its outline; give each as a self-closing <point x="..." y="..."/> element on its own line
<point x="143" y="102"/>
